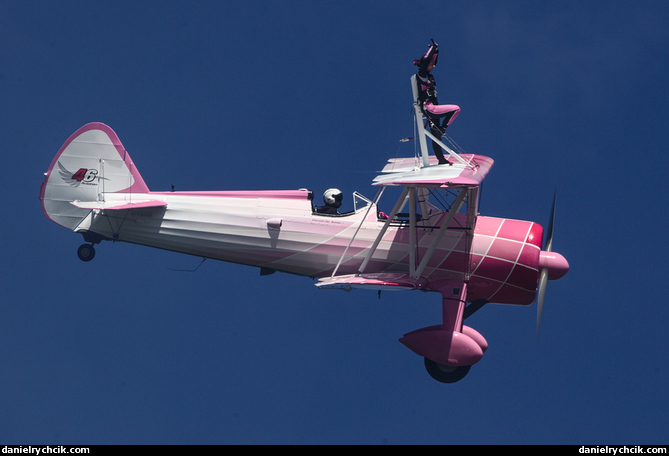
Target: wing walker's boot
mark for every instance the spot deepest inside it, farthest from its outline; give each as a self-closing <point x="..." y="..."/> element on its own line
<point x="439" y="154"/>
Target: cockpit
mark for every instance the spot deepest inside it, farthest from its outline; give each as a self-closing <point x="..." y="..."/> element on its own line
<point x="333" y="199"/>
<point x="428" y="206"/>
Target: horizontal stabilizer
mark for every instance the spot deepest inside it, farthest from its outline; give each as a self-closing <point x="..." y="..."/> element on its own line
<point x="119" y="205"/>
<point x="380" y="281"/>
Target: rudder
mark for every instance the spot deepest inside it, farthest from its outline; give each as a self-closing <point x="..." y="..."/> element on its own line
<point x="89" y="165"/>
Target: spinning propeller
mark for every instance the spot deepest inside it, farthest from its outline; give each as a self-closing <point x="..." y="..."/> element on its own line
<point x="552" y="266"/>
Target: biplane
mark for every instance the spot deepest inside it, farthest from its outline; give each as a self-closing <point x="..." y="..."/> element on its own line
<point x="433" y="239"/>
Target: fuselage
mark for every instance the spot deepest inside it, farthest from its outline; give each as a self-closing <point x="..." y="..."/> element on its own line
<point x="279" y="230"/>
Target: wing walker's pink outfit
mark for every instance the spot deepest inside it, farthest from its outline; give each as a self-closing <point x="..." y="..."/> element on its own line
<point x="439" y="116"/>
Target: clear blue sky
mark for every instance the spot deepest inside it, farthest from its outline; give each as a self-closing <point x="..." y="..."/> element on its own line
<point x="283" y="95"/>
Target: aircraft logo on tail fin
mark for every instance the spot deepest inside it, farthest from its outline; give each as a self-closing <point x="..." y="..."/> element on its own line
<point x="82" y="176"/>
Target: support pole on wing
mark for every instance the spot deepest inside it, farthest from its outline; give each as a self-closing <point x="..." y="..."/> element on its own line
<point x="422" y="132"/>
<point x="419" y="122"/>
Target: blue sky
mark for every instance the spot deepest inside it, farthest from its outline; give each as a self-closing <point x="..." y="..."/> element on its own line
<point x="284" y="95"/>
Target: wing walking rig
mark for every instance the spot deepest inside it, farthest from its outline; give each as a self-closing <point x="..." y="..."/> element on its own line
<point x="439" y="243"/>
<point x="450" y="348"/>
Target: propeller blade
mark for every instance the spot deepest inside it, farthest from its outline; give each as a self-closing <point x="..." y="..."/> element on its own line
<point x="548" y="245"/>
<point x="541" y="294"/>
<point x="543" y="278"/>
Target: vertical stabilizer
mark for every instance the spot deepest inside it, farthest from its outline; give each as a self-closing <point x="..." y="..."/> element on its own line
<point x="91" y="164"/>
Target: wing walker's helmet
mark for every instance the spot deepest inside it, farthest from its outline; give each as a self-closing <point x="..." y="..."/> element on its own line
<point x="333" y="197"/>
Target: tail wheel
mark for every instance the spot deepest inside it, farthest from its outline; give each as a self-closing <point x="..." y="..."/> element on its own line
<point x="446" y="374"/>
<point x="86" y="252"/>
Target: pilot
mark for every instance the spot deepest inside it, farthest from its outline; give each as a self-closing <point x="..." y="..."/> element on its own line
<point x="332" y="199"/>
<point x="439" y="116"/>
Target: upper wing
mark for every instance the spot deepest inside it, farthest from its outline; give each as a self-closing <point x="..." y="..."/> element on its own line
<point x="406" y="171"/>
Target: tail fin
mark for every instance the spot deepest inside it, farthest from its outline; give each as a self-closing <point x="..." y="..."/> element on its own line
<point x="91" y="164"/>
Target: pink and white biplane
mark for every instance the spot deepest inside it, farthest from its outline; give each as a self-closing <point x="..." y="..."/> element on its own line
<point x="433" y="239"/>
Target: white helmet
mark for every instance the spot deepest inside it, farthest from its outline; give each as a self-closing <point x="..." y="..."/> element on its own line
<point x="333" y="196"/>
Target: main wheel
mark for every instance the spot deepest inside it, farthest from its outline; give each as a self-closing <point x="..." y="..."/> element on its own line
<point x="86" y="252"/>
<point x="446" y="374"/>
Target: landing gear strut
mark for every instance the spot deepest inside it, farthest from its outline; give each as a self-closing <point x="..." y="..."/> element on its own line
<point x="86" y="252"/>
<point x="451" y="348"/>
<point x="446" y="374"/>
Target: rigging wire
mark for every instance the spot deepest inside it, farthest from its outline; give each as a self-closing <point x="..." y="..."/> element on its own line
<point x="189" y="270"/>
<point x="409" y="138"/>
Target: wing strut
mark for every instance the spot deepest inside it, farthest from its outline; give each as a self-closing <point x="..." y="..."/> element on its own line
<point x="390" y="218"/>
<point x="444" y="225"/>
<point x="415" y="271"/>
<point x="412" y="234"/>
<point x="369" y="207"/>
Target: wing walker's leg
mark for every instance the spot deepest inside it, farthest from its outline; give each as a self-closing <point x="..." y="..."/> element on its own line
<point x="446" y="148"/>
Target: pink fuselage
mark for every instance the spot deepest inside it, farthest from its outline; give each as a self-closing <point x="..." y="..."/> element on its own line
<point x="279" y="230"/>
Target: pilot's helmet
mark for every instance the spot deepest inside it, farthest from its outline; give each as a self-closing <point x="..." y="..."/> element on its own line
<point x="333" y="197"/>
